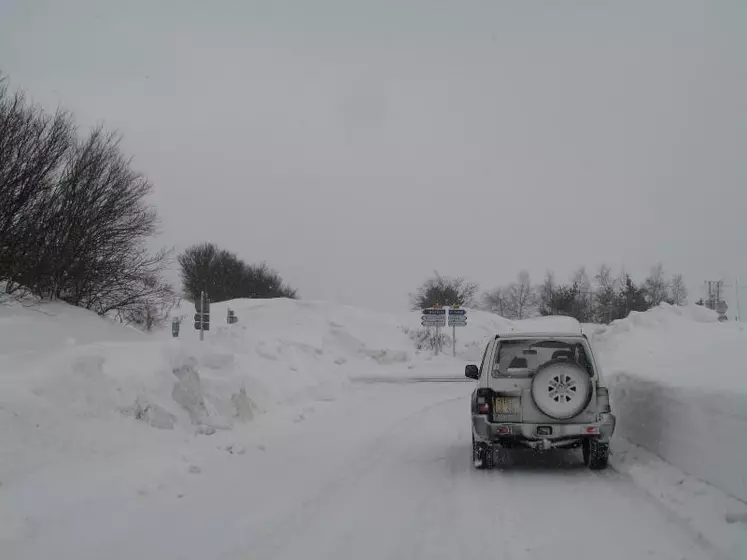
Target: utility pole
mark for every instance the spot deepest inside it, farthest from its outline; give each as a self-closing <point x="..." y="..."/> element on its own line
<point x="715" y="301"/>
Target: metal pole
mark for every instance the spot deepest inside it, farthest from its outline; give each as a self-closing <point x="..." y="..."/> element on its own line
<point x="453" y="341"/>
<point x="202" y="315"/>
<point x="438" y="339"/>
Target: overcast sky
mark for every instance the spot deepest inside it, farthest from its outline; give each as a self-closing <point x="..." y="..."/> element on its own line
<point x="357" y="146"/>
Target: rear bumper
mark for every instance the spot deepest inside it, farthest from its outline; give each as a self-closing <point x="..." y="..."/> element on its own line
<point x="563" y="435"/>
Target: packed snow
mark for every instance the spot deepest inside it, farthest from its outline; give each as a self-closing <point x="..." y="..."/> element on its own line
<point x="115" y="442"/>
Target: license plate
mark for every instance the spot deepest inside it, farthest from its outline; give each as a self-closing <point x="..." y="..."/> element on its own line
<point x="544" y="430"/>
<point x="505" y="405"/>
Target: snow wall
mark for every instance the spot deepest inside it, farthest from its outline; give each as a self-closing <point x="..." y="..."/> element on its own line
<point x="678" y="384"/>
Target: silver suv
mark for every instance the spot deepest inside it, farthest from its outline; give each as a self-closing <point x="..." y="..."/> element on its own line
<point x="540" y="390"/>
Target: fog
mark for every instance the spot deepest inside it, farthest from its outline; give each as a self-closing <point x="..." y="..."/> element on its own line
<point x="357" y="147"/>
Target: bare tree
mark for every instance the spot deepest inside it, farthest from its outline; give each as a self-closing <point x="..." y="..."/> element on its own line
<point x="495" y="301"/>
<point x="74" y="222"/>
<point x="548" y="295"/>
<point x="605" y="295"/>
<point x="583" y="303"/>
<point x="678" y="290"/>
<point x="656" y="286"/>
<point x="520" y="297"/>
<point x="33" y="148"/>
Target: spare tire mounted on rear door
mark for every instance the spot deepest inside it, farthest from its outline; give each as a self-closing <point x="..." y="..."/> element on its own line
<point x="561" y="389"/>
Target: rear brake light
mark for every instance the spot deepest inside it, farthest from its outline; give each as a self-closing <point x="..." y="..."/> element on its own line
<point x="592" y="430"/>
<point x="603" y="399"/>
<point x="504" y="430"/>
<point x="483" y="400"/>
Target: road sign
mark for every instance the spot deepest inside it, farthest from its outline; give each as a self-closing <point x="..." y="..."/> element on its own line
<point x="432" y="311"/>
<point x="457" y="317"/>
<point x="231" y="318"/>
<point x="202" y="317"/>
<point x="433" y="317"/>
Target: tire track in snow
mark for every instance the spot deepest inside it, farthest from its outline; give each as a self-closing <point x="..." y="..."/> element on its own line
<point x="417" y="496"/>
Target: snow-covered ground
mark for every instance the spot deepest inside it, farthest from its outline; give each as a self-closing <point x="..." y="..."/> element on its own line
<point x="281" y="436"/>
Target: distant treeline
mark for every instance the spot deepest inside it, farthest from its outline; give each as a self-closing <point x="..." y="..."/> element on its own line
<point x="605" y="297"/>
<point x="223" y="276"/>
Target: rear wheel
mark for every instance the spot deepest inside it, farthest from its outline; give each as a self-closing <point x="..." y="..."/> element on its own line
<point x="596" y="454"/>
<point x="482" y="455"/>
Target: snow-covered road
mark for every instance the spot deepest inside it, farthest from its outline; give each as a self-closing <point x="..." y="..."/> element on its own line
<point x="376" y="471"/>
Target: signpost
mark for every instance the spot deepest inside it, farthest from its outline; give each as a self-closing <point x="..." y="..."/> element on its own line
<point x="231" y="318"/>
<point x="202" y="317"/>
<point x="457" y="318"/>
<point x="434" y="317"/>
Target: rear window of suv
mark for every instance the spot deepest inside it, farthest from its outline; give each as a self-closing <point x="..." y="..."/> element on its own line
<point x="523" y="357"/>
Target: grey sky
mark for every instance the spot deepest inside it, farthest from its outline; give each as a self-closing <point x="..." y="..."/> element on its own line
<point x="358" y="146"/>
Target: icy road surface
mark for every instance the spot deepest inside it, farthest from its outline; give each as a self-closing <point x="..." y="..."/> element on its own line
<point x="376" y="471"/>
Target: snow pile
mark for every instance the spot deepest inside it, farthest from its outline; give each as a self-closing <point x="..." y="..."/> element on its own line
<point x="293" y="331"/>
<point x="57" y="356"/>
<point x="73" y="384"/>
<point x="679" y="387"/>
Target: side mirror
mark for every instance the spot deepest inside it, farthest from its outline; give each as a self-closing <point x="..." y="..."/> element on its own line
<point x="471" y="371"/>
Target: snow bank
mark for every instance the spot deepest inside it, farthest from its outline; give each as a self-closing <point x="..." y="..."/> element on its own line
<point x="708" y="512"/>
<point x="679" y="387"/>
<point x="281" y="350"/>
<point x="75" y="385"/>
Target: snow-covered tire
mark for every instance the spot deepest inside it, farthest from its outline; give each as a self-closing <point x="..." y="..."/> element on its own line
<point x="561" y="389"/>
<point x="482" y="455"/>
<point x="596" y="454"/>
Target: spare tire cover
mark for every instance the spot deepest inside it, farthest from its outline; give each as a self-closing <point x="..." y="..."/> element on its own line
<point x="561" y="389"/>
